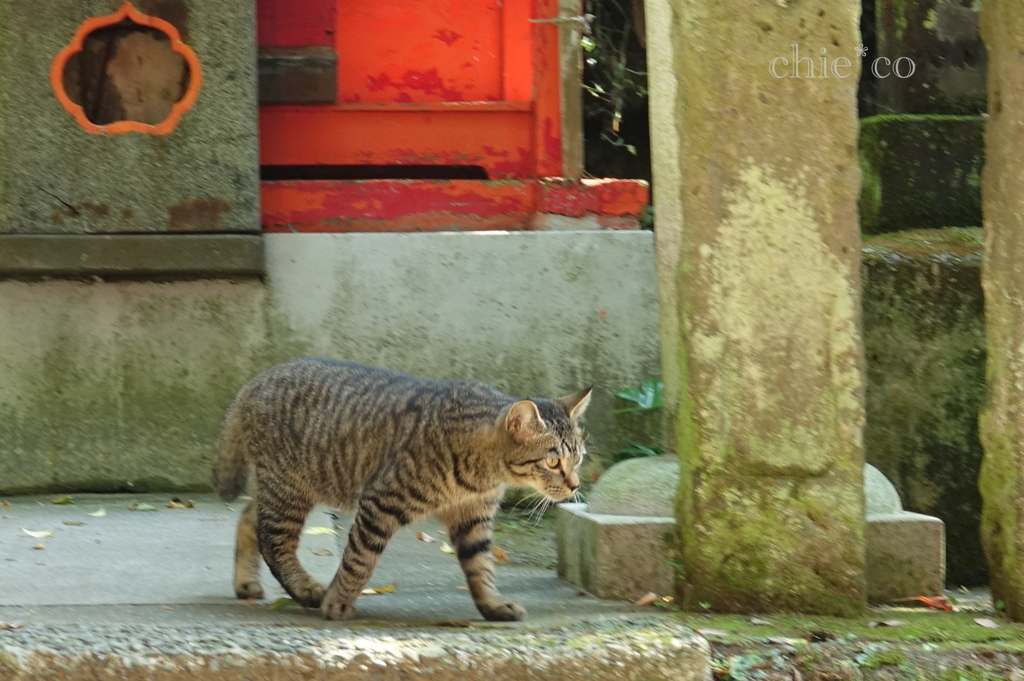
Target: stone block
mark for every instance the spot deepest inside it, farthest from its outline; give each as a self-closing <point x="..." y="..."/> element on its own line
<point x="920" y="172"/>
<point x="924" y="337"/>
<point x="905" y="556"/>
<point x="615" y="556"/>
<point x="57" y="177"/>
<point x="643" y="486"/>
<point x="943" y="59"/>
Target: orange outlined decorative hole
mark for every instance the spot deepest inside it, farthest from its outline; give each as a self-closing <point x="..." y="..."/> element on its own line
<point x="126" y="72"/>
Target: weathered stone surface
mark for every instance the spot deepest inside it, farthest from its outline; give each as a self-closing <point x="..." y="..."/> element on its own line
<point x="58" y="178"/>
<point x="924" y="337"/>
<point x="1002" y="421"/>
<point x="906" y="552"/>
<point x="920" y="172"/>
<point x="770" y="369"/>
<point x="946" y="56"/>
<point x="145" y="256"/>
<point x="644" y="486"/>
<point x="615" y="556"/>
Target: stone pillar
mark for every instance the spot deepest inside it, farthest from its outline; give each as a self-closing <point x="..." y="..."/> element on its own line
<point x="1002" y="419"/>
<point x="759" y="262"/>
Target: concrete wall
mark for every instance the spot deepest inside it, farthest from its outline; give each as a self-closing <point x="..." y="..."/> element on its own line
<point x="121" y="385"/>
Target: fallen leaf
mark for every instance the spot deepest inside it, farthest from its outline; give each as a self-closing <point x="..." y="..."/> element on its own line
<point x="98" y="514"/>
<point x="39" y="547"/>
<point x="379" y="590"/>
<point x="500" y="555"/>
<point x="712" y="632"/>
<point x="986" y="622"/>
<point x="783" y="641"/>
<point x="176" y="502"/>
<point x="281" y="603"/>
<point x="137" y="506"/>
<point x="62" y="501"/>
<point x="7" y="626"/>
<point x="886" y="623"/>
<point x="964" y="590"/>
<point x="167" y="607"/>
<point x="41" y="534"/>
<point x="423" y="536"/>
<point x="446" y="547"/>
<point x="323" y="552"/>
<point x="74" y="523"/>
<point x="758" y="621"/>
<point x="462" y="587"/>
<point x="647" y="599"/>
<point x="5" y="505"/>
<point x="319" y="530"/>
<point x="937" y="602"/>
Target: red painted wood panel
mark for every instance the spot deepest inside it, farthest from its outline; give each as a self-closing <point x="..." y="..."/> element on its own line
<point x="416" y="51"/>
<point x="498" y="140"/>
<point x="295" y="23"/>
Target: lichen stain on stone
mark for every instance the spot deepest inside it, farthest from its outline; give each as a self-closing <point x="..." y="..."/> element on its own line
<point x="780" y="335"/>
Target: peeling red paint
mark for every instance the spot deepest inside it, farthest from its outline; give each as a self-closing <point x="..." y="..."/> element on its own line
<point x="428" y="82"/>
<point x="447" y="37"/>
<point x="450" y="205"/>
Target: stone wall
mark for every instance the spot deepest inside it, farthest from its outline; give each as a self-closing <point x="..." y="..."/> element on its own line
<point x="924" y="337"/>
<point x="121" y="386"/>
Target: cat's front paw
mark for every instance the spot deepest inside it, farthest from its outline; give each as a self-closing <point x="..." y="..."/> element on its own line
<point x="249" y="590"/>
<point x="333" y="608"/>
<point x="310" y="596"/>
<point x="505" y="611"/>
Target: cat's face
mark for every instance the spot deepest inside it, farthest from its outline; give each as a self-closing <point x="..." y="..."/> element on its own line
<point x="548" y="446"/>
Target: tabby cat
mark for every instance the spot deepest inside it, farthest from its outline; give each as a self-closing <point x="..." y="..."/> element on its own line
<point x="393" y="448"/>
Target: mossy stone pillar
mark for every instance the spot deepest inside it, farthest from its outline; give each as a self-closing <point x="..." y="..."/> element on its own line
<point x="1002" y="419"/>
<point x="759" y="268"/>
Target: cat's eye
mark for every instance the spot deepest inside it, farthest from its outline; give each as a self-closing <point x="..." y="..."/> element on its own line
<point x="553" y="461"/>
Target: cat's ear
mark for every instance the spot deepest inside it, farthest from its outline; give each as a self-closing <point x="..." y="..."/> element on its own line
<point x="577" y="403"/>
<point x="523" y="421"/>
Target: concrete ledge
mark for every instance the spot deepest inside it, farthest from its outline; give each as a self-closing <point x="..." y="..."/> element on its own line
<point x="132" y="256"/>
<point x="614" y="556"/>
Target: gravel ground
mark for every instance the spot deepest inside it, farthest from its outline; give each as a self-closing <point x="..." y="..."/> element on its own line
<point x="657" y="645"/>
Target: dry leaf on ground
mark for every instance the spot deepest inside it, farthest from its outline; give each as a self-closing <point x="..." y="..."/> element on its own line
<point x="986" y="622"/>
<point x="40" y="534"/>
<point x="176" y="502"/>
<point x="39" y="547"/>
<point x="62" y="501"/>
<point x="322" y="552"/>
<point x="647" y="599"/>
<point x="319" y="530"/>
<point x="759" y="622"/>
<point x="7" y="626"/>
<point x="423" y="536"/>
<point x="712" y="632"/>
<point x="446" y="547"/>
<point x="379" y="590"/>
<point x="98" y="514"/>
<point x="462" y="587"/>
<point x="74" y="523"/>
<point x="5" y="505"/>
<point x="280" y="603"/>
<point x="138" y="506"/>
<point x="500" y="555"/>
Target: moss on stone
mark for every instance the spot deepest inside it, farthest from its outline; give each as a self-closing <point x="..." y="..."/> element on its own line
<point x="920" y="171"/>
<point x="924" y="338"/>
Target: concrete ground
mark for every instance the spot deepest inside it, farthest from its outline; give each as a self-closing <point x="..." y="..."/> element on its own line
<point x="155" y="578"/>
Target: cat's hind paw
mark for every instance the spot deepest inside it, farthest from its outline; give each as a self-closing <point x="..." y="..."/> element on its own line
<point x="249" y="591"/>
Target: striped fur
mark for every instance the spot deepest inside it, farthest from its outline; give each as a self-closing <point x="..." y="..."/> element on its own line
<point x="393" y="448"/>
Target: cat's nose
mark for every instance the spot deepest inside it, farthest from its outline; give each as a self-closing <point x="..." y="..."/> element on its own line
<point x="573" y="486"/>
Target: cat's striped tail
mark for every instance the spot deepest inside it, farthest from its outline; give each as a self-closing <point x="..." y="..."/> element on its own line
<point x="230" y="470"/>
